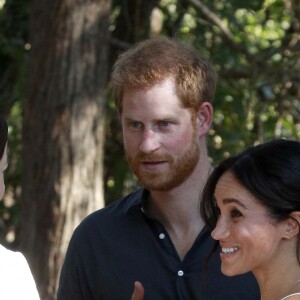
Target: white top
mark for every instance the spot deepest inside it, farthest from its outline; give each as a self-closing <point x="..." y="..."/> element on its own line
<point x="288" y="296"/>
<point x="16" y="280"/>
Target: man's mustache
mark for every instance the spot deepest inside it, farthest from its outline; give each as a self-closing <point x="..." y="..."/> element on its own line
<point x="152" y="157"/>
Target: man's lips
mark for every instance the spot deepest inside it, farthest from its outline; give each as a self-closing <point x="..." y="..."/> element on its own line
<point x="153" y="164"/>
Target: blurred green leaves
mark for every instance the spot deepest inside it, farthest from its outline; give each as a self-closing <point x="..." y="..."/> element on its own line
<point x="254" y="45"/>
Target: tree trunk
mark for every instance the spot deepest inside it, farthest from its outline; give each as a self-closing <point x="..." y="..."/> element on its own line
<point x="132" y="24"/>
<point x="63" y="129"/>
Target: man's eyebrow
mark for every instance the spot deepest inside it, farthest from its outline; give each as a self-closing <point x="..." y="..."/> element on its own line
<point x="232" y="200"/>
<point x="130" y="119"/>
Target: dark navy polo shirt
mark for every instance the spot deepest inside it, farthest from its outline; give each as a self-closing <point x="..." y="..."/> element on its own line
<point x="119" y="244"/>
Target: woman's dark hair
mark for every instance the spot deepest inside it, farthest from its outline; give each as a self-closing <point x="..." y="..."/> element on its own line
<point x="3" y="135"/>
<point x="270" y="171"/>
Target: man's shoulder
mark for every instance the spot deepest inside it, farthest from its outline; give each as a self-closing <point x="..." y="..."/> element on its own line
<point x="120" y="206"/>
<point x="113" y="212"/>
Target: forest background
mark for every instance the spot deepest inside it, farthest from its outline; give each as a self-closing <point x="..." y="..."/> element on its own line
<point x="65" y="144"/>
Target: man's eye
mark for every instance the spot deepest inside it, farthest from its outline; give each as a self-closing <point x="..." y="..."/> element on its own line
<point x="235" y="213"/>
<point x="135" y="124"/>
<point x="164" y="123"/>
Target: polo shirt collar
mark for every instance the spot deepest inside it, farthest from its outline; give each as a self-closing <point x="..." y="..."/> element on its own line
<point x="138" y="199"/>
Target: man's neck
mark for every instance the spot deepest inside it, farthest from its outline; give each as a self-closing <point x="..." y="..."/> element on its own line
<point x="179" y="209"/>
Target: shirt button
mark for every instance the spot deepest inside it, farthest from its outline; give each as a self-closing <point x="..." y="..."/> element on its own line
<point x="162" y="236"/>
<point x="180" y="273"/>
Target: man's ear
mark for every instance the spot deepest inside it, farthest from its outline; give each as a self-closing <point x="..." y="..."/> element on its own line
<point x="292" y="225"/>
<point x="204" y="117"/>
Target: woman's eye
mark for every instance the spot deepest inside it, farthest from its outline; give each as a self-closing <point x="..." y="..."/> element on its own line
<point x="235" y="213"/>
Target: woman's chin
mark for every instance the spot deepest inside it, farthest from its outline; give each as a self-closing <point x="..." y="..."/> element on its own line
<point x="228" y="272"/>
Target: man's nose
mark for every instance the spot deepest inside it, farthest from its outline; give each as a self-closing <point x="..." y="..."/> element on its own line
<point x="150" y="141"/>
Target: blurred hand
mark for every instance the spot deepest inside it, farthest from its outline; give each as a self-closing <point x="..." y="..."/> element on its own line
<point x="138" y="293"/>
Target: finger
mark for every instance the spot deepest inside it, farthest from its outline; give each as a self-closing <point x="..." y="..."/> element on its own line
<point x="138" y="293"/>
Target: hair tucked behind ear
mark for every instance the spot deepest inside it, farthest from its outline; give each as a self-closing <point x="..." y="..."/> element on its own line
<point x="3" y="135"/>
<point x="270" y="171"/>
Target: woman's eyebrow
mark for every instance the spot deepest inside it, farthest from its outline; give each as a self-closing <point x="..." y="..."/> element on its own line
<point x="232" y="200"/>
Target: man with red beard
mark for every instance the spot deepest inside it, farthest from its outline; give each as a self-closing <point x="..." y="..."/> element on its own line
<point x="163" y="91"/>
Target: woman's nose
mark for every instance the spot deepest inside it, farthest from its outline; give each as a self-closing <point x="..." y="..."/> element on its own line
<point x="221" y="231"/>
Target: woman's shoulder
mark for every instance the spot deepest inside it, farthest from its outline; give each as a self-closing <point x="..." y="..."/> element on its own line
<point x="15" y="276"/>
<point x="294" y="296"/>
<point x="7" y="255"/>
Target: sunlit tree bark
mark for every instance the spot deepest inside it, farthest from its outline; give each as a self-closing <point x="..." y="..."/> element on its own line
<point x="63" y="130"/>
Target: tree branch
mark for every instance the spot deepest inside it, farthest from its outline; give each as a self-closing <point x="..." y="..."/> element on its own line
<point x="228" y="36"/>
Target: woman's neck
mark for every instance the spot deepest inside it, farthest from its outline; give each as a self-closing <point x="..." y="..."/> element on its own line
<point x="281" y="277"/>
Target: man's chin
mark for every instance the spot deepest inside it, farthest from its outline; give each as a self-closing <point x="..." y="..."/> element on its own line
<point x="159" y="185"/>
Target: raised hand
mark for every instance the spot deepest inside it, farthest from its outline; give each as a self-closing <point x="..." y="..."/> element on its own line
<point x="138" y="293"/>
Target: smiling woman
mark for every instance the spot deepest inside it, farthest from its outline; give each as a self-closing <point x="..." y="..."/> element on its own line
<point x="252" y="204"/>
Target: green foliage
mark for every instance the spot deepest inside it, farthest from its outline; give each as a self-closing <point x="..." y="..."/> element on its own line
<point x="256" y="99"/>
<point x="254" y="46"/>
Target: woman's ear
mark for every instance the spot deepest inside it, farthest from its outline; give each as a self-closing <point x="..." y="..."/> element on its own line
<point x="292" y="225"/>
<point x="204" y="117"/>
